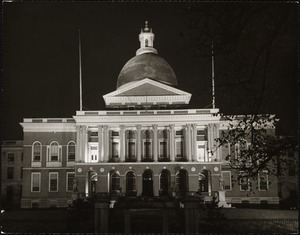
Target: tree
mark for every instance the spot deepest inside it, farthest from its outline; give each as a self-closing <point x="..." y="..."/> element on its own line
<point x="254" y="145"/>
<point x="254" y="45"/>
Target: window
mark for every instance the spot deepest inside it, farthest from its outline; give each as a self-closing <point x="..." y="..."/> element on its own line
<point x="202" y="155"/>
<point x="162" y="149"/>
<point x="263" y="181"/>
<point x="239" y="148"/>
<point x="35" y="182"/>
<point x="179" y="148"/>
<point x="21" y="176"/>
<point x="54" y="152"/>
<point x="130" y="183"/>
<point x="93" y="149"/>
<point x="115" y="182"/>
<point x="115" y="149"/>
<point x="146" y="43"/>
<point x="37" y="152"/>
<point x="10" y="157"/>
<point x="147" y="149"/>
<point x="244" y="182"/>
<point x="10" y="173"/>
<point x="71" y="151"/>
<point x="226" y="180"/>
<point x="70" y="181"/>
<point x="201" y="135"/>
<point x="93" y="136"/>
<point x="203" y="181"/>
<point x="53" y="182"/>
<point x="131" y="149"/>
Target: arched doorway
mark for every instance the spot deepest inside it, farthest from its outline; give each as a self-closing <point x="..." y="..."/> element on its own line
<point x="130" y="184"/>
<point x="114" y="182"/>
<point x="147" y="184"/>
<point x="93" y="183"/>
<point x="164" y="183"/>
<point x="182" y="185"/>
<point x="204" y="181"/>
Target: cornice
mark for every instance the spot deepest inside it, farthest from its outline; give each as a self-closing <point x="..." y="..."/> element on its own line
<point x="146" y="119"/>
<point x="48" y="127"/>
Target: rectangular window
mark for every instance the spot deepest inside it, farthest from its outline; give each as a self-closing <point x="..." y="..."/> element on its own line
<point x="226" y="177"/>
<point x="70" y="181"/>
<point x="115" y="149"/>
<point x="53" y="182"/>
<point x="147" y="149"/>
<point x="10" y="173"/>
<point x="163" y="149"/>
<point x="11" y="157"/>
<point x="244" y="183"/>
<point x="201" y="135"/>
<point x="179" y="149"/>
<point x="35" y="182"/>
<point x="263" y="181"/>
<point x="131" y="149"/>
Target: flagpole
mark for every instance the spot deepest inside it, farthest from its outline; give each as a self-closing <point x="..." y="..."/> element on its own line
<point x="80" y="72"/>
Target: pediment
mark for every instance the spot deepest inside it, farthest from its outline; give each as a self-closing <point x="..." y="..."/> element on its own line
<point x="146" y="87"/>
<point x="148" y="92"/>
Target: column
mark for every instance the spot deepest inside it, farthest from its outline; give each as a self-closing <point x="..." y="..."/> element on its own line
<point x="210" y="140"/>
<point x="216" y="136"/>
<point x="155" y="157"/>
<point x="172" y="143"/>
<point x="188" y="142"/>
<point x="122" y="143"/>
<point x="78" y="144"/>
<point x="194" y="142"/>
<point x="84" y="144"/>
<point x="139" y="150"/>
<point x="100" y="144"/>
<point x="105" y="143"/>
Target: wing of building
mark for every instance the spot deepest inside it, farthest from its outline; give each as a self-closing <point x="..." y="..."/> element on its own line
<point x="147" y="142"/>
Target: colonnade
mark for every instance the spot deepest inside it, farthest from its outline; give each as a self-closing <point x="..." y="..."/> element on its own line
<point x="189" y="138"/>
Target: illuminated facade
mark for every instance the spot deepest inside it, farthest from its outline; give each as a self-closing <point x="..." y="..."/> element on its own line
<point x="146" y="143"/>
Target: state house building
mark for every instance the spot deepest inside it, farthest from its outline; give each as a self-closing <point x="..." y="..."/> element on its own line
<point x="147" y="142"/>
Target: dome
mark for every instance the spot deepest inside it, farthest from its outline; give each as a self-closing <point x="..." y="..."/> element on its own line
<point x="147" y="65"/>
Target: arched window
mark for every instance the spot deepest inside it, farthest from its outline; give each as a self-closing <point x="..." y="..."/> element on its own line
<point x="164" y="183"/>
<point x="146" y="43"/>
<point x="147" y="183"/>
<point x="54" y="152"/>
<point x="203" y="181"/>
<point x="130" y="184"/>
<point x="36" y="152"/>
<point x="71" y="151"/>
<point x="115" y="181"/>
<point x="182" y="182"/>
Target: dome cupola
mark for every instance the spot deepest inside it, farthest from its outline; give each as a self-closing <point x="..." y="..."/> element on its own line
<point x="147" y="63"/>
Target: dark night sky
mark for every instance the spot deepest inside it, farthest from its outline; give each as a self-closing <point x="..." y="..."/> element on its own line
<point x="40" y="58"/>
